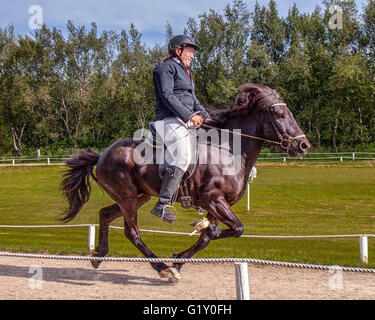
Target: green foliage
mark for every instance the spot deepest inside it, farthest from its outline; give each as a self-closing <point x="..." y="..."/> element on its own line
<point x="88" y="89"/>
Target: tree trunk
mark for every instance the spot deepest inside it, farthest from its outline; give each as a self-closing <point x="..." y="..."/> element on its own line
<point x="318" y="137"/>
<point x="334" y="142"/>
<point x="17" y="138"/>
<point x="66" y="122"/>
<point x="360" y="124"/>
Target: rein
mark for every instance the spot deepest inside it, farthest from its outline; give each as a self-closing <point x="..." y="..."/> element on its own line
<point x="285" y="142"/>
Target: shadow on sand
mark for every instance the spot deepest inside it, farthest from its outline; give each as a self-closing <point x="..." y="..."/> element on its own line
<point x="79" y="276"/>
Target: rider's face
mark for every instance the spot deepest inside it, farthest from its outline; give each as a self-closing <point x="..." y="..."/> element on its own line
<point x="187" y="55"/>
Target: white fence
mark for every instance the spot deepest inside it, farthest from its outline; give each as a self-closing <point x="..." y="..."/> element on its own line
<point x="329" y="157"/>
<point x="23" y="161"/>
<point x="311" y="156"/>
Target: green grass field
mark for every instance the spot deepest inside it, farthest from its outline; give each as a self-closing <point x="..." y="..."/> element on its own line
<point x="286" y="199"/>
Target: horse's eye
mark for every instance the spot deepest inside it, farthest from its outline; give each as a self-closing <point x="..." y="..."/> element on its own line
<point x="278" y="115"/>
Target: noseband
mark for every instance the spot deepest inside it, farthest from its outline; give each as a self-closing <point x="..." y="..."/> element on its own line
<point x="285" y="139"/>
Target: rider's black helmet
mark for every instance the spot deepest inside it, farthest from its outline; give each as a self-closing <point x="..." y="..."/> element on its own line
<point x="181" y="41"/>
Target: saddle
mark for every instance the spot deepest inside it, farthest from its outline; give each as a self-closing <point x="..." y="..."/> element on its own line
<point x="185" y="198"/>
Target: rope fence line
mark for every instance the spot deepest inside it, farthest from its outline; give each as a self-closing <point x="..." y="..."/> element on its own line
<point x="190" y="260"/>
<point x="363" y="243"/>
<point x="188" y="234"/>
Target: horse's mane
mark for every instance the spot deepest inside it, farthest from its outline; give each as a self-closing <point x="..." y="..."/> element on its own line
<point x="251" y="95"/>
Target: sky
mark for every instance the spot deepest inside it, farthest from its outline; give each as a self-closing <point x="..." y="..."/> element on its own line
<point x="149" y="16"/>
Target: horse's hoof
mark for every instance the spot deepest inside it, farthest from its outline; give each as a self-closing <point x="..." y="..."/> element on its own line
<point x="171" y="273"/>
<point x="95" y="263"/>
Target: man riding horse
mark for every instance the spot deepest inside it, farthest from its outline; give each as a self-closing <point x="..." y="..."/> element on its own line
<point x="258" y="115"/>
<point x="178" y="113"/>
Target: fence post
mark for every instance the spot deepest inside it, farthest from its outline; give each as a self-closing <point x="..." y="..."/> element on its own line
<point x="242" y="281"/>
<point x="252" y="175"/>
<point x="48" y="161"/>
<point x="353" y="156"/>
<point x="91" y="237"/>
<point x="13" y="162"/>
<point x="363" y="248"/>
<point x="248" y="196"/>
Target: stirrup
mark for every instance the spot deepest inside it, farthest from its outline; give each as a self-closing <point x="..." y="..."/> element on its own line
<point x="163" y="213"/>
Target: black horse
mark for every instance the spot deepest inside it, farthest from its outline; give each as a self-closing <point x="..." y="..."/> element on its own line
<point x="260" y="115"/>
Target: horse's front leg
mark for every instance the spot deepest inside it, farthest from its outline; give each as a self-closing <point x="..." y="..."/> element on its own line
<point x="219" y="211"/>
<point x="201" y="244"/>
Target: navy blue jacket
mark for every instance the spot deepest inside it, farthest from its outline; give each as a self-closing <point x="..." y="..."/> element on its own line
<point x="174" y="92"/>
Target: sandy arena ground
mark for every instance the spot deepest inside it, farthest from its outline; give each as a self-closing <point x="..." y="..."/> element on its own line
<point x="76" y="280"/>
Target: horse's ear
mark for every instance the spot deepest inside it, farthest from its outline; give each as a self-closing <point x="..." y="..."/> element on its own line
<point x="250" y="87"/>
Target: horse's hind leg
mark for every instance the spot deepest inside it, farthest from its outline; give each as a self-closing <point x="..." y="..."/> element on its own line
<point x="106" y="216"/>
<point x="133" y="234"/>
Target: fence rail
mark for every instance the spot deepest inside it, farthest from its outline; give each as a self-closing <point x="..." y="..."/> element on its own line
<point x="336" y="157"/>
<point x="53" y="160"/>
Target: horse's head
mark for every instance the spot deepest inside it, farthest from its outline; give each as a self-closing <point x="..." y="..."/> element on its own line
<point x="277" y="123"/>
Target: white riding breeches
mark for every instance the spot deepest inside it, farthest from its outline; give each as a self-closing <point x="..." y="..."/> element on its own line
<point x="178" y="141"/>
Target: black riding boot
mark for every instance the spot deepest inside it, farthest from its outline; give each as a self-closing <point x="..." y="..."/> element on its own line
<point x="171" y="181"/>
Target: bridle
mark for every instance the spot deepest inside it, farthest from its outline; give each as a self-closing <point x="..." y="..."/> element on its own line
<point x="285" y="141"/>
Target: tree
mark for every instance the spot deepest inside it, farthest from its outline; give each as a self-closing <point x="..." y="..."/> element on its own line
<point x="268" y="30"/>
<point x="13" y="87"/>
<point x="88" y="89"/>
<point x="351" y="96"/>
<point x="219" y="65"/>
<point x="368" y="32"/>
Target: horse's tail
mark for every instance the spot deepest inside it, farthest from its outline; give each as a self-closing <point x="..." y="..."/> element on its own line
<point x="76" y="183"/>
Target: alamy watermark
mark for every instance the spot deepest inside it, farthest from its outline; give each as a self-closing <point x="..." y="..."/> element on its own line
<point x="36" y="280"/>
<point x="336" y="20"/>
<point x="36" y="20"/>
<point x="335" y="280"/>
<point x="215" y="147"/>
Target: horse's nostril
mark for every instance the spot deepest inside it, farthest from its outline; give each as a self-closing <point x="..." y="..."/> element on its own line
<point x="305" y="145"/>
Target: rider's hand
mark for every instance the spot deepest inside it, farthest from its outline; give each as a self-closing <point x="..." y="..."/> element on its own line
<point x="196" y="120"/>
